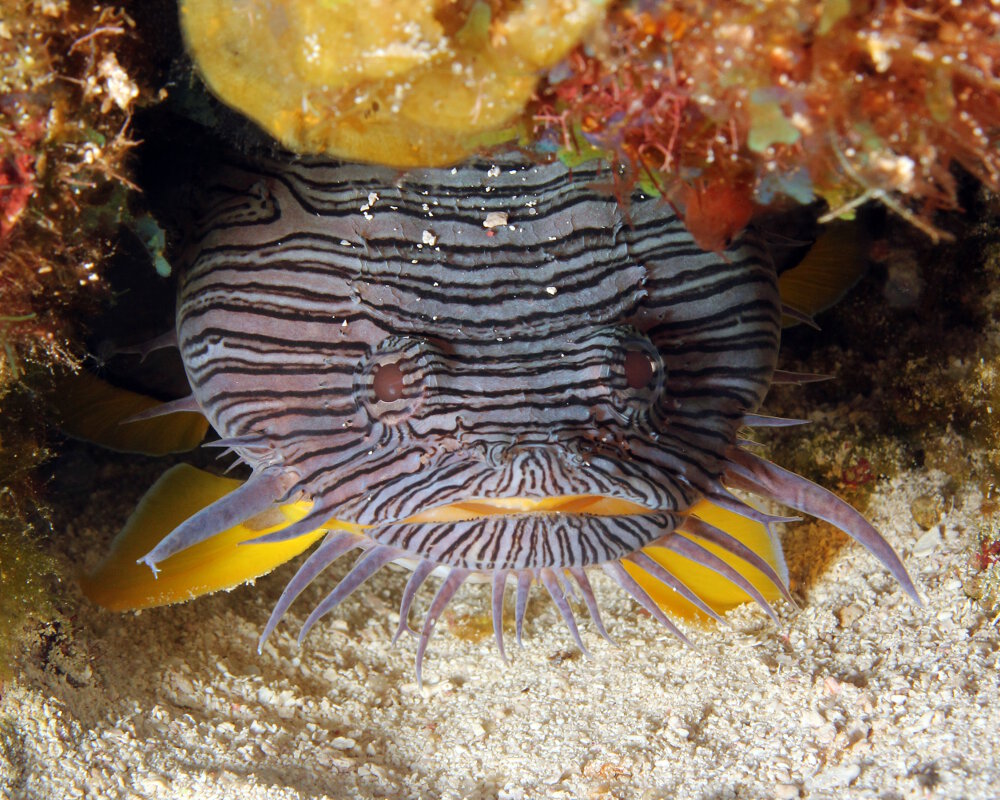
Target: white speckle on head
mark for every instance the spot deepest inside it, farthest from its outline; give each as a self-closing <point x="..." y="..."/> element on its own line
<point x="495" y="219"/>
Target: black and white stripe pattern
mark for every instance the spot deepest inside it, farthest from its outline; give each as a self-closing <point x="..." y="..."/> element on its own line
<point x="511" y="340"/>
<point x="539" y="338"/>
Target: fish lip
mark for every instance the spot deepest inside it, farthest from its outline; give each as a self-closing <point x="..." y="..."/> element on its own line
<point x="589" y="505"/>
<point x="526" y="541"/>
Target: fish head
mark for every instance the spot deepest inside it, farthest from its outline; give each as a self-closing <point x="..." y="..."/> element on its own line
<point x="589" y="439"/>
<point x="569" y="374"/>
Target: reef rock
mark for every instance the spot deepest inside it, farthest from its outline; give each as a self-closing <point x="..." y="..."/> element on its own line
<point x="398" y="82"/>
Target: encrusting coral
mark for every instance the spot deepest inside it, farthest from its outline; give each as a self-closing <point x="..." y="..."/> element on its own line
<point x="726" y="106"/>
<point x="65" y="105"/>
<point x="723" y="107"/>
<point x="397" y="82"/>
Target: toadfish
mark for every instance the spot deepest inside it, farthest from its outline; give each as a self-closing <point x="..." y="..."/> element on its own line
<point x="494" y="371"/>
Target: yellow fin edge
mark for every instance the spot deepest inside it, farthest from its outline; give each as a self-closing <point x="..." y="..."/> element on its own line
<point x="718" y="593"/>
<point x="221" y="562"/>
<point x="88" y="408"/>
<point x="119" y="583"/>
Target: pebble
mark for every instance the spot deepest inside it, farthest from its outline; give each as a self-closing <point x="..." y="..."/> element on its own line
<point x="812" y="718"/>
<point x="848" y="615"/>
<point x="927" y="543"/>
<point x="926" y="511"/>
<point x="836" y="776"/>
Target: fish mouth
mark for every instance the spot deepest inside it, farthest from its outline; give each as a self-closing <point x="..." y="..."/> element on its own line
<point x="503" y="533"/>
<point x="464" y="484"/>
<point x="476" y="507"/>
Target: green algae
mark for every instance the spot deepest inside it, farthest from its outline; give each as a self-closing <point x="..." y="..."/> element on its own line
<point x="26" y="572"/>
<point x="768" y="124"/>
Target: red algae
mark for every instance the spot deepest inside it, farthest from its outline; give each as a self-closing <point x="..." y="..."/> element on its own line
<point x="65" y="102"/>
<point x="798" y="99"/>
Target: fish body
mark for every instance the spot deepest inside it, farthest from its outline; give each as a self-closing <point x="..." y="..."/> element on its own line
<point x="491" y="371"/>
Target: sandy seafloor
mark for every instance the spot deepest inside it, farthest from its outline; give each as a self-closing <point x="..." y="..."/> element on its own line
<point x="860" y="693"/>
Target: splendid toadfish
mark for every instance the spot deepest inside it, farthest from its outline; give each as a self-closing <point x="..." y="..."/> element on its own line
<point x="494" y="371"/>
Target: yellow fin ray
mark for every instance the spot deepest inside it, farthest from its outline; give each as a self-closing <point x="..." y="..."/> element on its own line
<point x="120" y="584"/>
<point x="718" y="593"/>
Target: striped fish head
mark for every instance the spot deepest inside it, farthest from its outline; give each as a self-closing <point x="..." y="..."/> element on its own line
<point x="494" y="366"/>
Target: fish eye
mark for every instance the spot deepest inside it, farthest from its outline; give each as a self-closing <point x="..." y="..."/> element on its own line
<point x="387" y="382"/>
<point x="631" y="368"/>
<point x="640" y="369"/>
<point x="392" y="382"/>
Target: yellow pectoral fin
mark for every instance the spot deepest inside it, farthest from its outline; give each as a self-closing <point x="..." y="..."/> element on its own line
<point x="90" y="409"/>
<point x="120" y="584"/>
<point x="718" y="592"/>
<point x="832" y="266"/>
